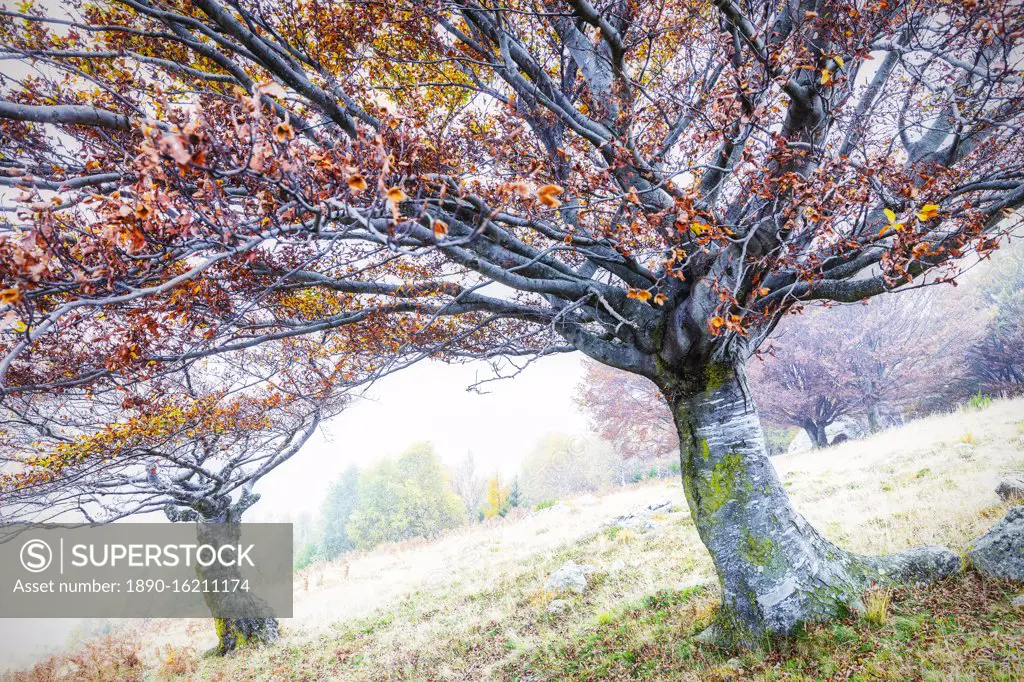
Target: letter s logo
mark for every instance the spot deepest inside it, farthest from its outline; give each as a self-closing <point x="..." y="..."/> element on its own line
<point x="36" y="556"/>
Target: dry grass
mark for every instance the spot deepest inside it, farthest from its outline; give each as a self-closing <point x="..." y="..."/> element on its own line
<point x="113" y="658"/>
<point x="473" y="606"/>
<point x="876" y="606"/>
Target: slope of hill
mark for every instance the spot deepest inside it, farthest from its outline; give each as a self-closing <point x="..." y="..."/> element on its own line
<point x="474" y="606"/>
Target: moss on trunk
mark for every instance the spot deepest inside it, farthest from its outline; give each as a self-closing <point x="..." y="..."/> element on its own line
<point x="239" y="633"/>
<point x="775" y="570"/>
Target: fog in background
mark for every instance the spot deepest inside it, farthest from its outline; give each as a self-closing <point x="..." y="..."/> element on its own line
<point x="429" y="402"/>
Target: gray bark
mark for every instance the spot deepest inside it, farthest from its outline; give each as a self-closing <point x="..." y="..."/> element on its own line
<point x="232" y="633"/>
<point x="775" y="570"/>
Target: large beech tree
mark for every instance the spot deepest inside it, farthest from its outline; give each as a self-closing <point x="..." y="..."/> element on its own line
<point x="653" y="184"/>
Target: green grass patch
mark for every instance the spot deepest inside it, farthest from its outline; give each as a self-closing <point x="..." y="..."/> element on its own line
<point x="963" y="628"/>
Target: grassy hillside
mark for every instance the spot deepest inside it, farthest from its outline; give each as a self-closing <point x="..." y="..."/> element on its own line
<point x="473" y="606"/>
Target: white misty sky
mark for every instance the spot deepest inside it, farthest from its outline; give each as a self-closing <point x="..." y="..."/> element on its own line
<point x="430" y="402"/>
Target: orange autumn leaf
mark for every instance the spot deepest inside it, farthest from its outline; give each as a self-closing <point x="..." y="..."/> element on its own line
<point x="639" y="295"/>
<point x="548" y="195"/>
<point x="356" y="182"/>
<point x="271" y="88"/>
<point x="521" y="189"/>
<point x="9" y="296"/>
<point x="660" y="299"/>
<point x="283" y="132"/>
<point x="174" y="146"/>
<point x="440" y="230"/>
<point x="395" y="195"/>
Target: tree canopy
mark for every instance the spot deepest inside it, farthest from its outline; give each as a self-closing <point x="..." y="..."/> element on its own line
<point x="364" y="186"/>
<point x="335" y="512"/>
<point x="655" y="181"/>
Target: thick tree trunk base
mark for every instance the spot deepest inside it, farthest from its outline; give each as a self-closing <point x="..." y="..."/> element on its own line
<point x="260" y="627"/>
<point x="239" y="633"/>
<point x="831" y="587"/>
<point x="776" y="571"/>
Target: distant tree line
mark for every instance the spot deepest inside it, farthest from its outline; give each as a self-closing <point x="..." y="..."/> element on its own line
<point x="417" y="496"/>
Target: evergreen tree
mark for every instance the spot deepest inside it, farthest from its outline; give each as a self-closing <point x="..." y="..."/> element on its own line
<point x="335" y="513"/>
<point x="515" y="495"/>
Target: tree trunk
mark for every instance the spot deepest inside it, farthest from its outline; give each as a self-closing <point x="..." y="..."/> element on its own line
<point x="238" y="633"/>
<point x="816" y="432"/>
<point x="775" y="570"/>
<point x="874" y="418"/>
<point x="233" y="633"/>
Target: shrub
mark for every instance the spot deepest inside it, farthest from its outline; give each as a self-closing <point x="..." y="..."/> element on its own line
<point x="979" y="401"/>
<point x="177" y="661"/>
<point x="306" y="555"/>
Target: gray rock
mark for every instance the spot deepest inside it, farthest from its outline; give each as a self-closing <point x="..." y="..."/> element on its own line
<point x="617" y="565"/>
<point x="999" y="553"/>
<point x="558" y="606"/>
<point x="1017" y="602"/>
<point x="638" y="525"/>
<point x="659" y="507"/>
<point x="850" y="429"/>
<point x="571" y="576"/>
<point x="1011" y="488"/>
<point x="916" y="566"/>
<point x="638" y="519"/>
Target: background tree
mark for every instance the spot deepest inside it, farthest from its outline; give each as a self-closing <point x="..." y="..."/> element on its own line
<point x="497" y="498"/>
<point x="516" y="498"/>
<point x="801" y="388"/>
<point x="404" y="498"/>
<point x="335" y="513"/>
<point x="193" y="452"/>
<point x="652" y="184"/>
<point x="627" y="411"/>
<point x="851" y="361"/>
<point x="996" y="359"/>
<point x="561" y="465"/>
<point x="907" y="349"/>
<point x="305" y="538"/>
<point x="468" y="485"/>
